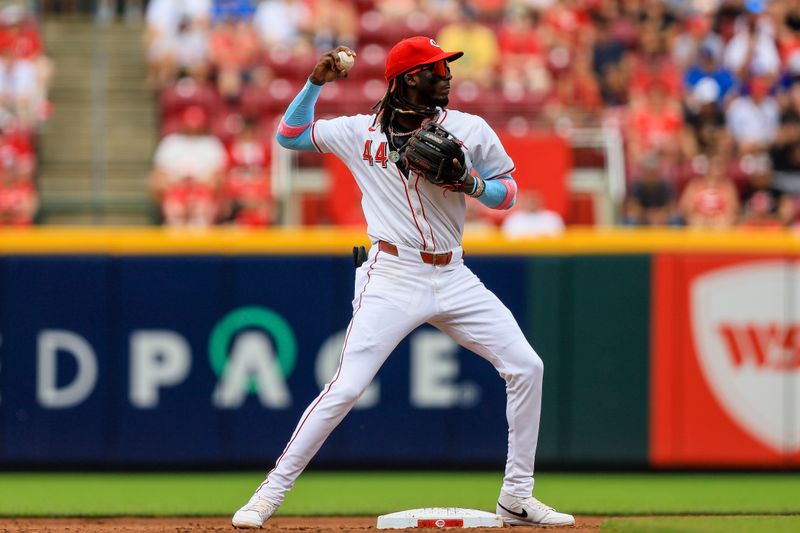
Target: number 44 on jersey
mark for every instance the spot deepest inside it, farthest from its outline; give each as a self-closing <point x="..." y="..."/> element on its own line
<point x="381" y="156"/>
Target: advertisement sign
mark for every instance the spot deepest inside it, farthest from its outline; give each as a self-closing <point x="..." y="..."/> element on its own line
<point x="726" y="361"/>
<point x="170" y="361"/>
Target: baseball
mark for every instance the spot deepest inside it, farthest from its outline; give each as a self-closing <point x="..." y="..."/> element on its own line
<point x="346" y="61"/>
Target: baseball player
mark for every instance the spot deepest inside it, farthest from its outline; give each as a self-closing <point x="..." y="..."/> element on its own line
<point x="414" y="185"/>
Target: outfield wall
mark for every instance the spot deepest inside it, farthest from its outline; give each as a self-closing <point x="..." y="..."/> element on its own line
<point x="129" y="347"/>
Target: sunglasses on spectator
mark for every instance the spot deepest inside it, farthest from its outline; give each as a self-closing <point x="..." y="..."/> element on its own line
<point x="440" y="68"/>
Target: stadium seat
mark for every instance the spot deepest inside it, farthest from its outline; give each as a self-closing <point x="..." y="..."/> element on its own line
<point x="281" y="92"/>
<point x="373" y="90"/>
<point x="267" y="126"/>
<point x="186" y="92"/>
<point x="255" y="101"/>
<point x="467" y="96"/>
<point x="169" y="124"/>
<point x="330" y="99"/>
<point x="370" y="62"/>
<point x="283" y="64"/>
<point x="375" y="28"/>
<point x="309" y="159"/>
<point x="226" y="124"/>
<point x="372" y="27"/>
<point x="581" y="209"/>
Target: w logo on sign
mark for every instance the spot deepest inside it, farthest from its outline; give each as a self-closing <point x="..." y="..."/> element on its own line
<point x="764" y="345"/>
<point x="746" y="328"/>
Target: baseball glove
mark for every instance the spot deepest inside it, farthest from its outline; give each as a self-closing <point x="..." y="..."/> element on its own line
<point x="430" y="152"/>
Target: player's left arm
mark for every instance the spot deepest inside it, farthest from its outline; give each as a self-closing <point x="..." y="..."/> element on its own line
<point x="493" y="186"/>
<point x="499" y="193"/>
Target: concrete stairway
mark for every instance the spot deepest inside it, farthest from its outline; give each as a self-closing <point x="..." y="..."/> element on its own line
<point x="96" y="150"/>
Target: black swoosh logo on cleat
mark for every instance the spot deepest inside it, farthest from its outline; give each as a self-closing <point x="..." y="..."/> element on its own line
<point x="523" y="514"/>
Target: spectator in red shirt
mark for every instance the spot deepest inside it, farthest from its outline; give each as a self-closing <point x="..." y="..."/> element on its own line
<point x="568" y="21"/>
<point x="235" y="50"/>
<point x="655" y="124"/>
<point x="788" y="32"/>
<point x="18" y="201"/>
<point x="246" y="193"/>
<point x="522" y="53"/>
<point x="188" y="169"/>
<point x="18" y="198"/>
<point x="16" y="152"/>
<point x="652" y="64"/>
<point x="17" y="35"/>
<point x="489" y="9"/>
<point x="576" y="93"/>
<point x="519" y="37"/>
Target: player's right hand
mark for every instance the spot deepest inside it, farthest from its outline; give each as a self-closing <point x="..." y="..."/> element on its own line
<point x="328" y="68"/>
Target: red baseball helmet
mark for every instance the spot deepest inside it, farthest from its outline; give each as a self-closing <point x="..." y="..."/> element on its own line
<point x="413" y="52"/>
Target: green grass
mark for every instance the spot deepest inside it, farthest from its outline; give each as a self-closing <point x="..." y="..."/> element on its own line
<point x="333" y="493"/>
<point x="704" y="524"/>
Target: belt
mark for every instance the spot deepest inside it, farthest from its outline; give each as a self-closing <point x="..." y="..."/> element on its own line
<point x="427" y="257"/>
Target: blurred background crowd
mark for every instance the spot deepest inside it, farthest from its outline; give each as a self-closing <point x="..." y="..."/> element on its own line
<point x="25" y="74"/>
<point x="706" y="95"/>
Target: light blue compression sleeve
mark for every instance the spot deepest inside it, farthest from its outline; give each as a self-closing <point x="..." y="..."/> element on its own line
<point x="500" y="193"/>
<point x="294" y="131"/>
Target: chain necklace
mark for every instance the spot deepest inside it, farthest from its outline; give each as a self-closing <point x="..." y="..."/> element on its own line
<point x="394" y="154"/>
<point x="405" y="134"/>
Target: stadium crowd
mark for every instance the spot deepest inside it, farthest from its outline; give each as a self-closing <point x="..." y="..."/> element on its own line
<point x="706" y="92"/>
<point x="25" y="73"/>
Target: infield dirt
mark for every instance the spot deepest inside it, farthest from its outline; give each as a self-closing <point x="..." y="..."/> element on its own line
<point x="198" y="524"/>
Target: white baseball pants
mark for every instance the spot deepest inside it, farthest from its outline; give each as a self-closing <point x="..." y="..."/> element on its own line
<point x="393" y="296"/>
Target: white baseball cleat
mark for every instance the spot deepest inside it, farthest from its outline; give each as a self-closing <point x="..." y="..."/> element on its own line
<point x="254" y="513"/>
<point x="517" y="511"/>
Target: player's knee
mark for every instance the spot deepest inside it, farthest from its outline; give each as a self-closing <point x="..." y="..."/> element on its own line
<point x="531" y="367"/>
<point x="538" y="365"/>
<point x="346" y="394"/>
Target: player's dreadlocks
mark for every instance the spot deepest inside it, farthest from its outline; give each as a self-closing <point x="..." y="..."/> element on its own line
<point x="395" y="101"/>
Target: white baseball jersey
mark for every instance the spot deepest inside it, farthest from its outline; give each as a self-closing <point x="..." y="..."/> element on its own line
<point x="396" y="290"/>
<point x="410" y="211"/>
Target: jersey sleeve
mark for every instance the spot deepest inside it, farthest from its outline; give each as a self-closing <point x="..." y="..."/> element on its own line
<point x="489" y="158"/>
<point x="333" y="136"/>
